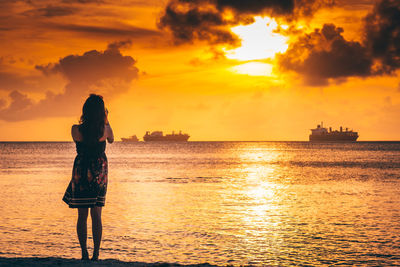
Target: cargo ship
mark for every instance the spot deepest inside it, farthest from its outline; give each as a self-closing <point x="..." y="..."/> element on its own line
<point x="323" y="134"/>
<point x="132" y="138"/>
<point x="158" y="136"/>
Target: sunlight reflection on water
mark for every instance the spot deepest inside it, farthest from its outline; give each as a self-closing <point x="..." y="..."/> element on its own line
<point x="279" y="203"/>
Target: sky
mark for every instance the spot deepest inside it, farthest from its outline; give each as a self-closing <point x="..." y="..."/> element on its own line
<point x="216" y="69"/>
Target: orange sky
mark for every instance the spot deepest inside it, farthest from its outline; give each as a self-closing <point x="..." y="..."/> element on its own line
<point x="168" y="65"/>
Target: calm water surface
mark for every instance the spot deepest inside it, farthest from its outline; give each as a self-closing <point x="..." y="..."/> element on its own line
<point x="277" y="203"/>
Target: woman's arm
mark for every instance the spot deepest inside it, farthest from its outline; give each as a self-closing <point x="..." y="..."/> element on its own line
<point x="76" y="135"/>
<point x="109" y="133"/>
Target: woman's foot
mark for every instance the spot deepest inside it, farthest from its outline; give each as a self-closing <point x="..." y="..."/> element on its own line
<point x="85" y="255"/>
<point x="95" y="256"/>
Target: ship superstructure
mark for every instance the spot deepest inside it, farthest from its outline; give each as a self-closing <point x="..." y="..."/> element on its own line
<point x="323" y="134"/>
<point x="159" y="136"/>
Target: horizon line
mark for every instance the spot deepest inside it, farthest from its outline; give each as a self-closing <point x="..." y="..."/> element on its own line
<point x="120" y="141"/>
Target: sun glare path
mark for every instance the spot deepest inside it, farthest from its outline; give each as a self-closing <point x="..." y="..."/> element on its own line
<point x="259" y="41"/>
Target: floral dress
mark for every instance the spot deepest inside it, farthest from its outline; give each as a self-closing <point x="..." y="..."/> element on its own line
<point x="88" y="185"/>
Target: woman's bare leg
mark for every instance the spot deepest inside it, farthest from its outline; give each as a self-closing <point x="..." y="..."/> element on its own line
<point x="81" y="229"/>
<point x="97" y="230"/>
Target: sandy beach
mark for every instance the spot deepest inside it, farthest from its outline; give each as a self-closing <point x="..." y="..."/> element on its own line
<point x="52" y="261"/>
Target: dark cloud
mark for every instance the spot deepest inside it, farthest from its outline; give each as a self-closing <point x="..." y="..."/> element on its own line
<point x="83" y="1"/>
<point x="5" y="2"/>
<point x="51" y="11"/>
<point x="325" y="54"/>
<point x="355" y="4"/>
<point x="195" y="23"/>
<point x="106" y="72"/>
<point x="256" y="6"/>
<point x="11" y="81"/>
<point x="190" y="20"/>
<point x="94" y="65"/>
<point x="319" y="56"/>
<point x="383" y="35"/>
<point x="125" y="31"/>
<point x="19" y="104"/>
<point x="118" y="45"/>
<point x="289" y="8"/>
<point x="19" y="101"/>
<point x="22" y="107"/>
<point x="35" y="2"/>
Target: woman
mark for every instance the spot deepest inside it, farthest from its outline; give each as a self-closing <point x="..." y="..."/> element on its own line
<point x="88" y="185"/>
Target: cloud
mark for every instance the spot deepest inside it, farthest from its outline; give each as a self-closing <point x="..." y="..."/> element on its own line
<point x="325" y="54"/>
<point x="2" y="103"/>
<point x="86" y="18"/>
<point x="51" y="11"/>
<point x="195" y="23"/>
<point x="320" y="56"/>
<point x="209" y="20"/>
<point x="94" y="65"/>
<point x="256" y="6"/>
<point x="8" y="2"/>
<point x="11" y="81"/>
<point x="83" y="1"/>
<point x="20" y="103"/>
<point x="12" y="78"/>
<point x="355" y="4"/>
<point x="289" y="8"/>
<point x="382" y="31"/>
<point x="105" y="72"/>
<point x="124" y="31"/>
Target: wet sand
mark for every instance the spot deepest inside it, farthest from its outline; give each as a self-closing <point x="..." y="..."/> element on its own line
<point x="32" y="261"/>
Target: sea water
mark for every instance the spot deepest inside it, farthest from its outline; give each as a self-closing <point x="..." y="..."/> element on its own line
<point x="261" y="203"/>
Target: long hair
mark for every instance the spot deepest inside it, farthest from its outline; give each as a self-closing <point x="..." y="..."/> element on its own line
<point x="93" y="118"/>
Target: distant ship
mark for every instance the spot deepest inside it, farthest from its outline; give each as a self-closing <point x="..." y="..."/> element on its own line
<point x="133" y="138"/>
<point x="158" y="136"/>
<point x="322" y="134"/>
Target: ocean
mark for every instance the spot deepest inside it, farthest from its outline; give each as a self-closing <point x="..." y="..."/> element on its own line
<point x="237" y="203"/>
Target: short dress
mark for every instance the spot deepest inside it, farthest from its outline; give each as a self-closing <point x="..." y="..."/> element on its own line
<point x="88" y="186"/>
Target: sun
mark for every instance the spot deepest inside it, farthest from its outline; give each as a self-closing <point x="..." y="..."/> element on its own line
<point x="253" y="69"/>
<point x="260" y="41"/>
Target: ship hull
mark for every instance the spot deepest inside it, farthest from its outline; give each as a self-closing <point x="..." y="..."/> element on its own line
<point x="333" y="138"/>
<point x="166" y="138"/>
<point x="133" y="138"/>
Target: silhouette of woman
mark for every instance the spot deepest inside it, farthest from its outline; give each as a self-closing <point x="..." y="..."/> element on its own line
<point x="88" y="186"/>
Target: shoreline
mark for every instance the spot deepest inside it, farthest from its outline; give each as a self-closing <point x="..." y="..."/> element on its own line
<point x="56" y="261"/>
